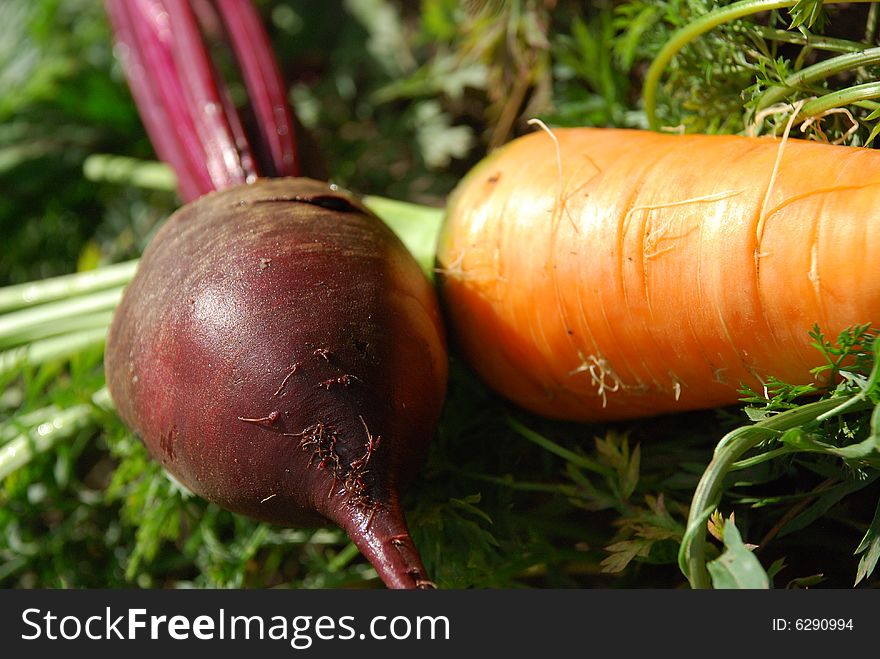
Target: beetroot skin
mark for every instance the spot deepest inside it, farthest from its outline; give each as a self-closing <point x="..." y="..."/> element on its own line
<point x="282" y="355"/>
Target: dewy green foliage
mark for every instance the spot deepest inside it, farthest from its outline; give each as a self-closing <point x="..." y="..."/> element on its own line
<point x="399" y="103"/>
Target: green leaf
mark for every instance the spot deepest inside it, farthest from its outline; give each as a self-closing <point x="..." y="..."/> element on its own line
<point x="805" y="582"/>
<point x="870" y="547"/>
<point x="807" y="14"/>
<point x="624" y="552"/>
<point x="776" y="567"/>
<point x="737" y="567"/>
<point x="468" y="504"/>
<point x="630" y="477"/>
<point x="875" y="130"/>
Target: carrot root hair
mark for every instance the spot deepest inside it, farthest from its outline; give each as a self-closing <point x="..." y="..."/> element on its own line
<point x="602" y="376"/>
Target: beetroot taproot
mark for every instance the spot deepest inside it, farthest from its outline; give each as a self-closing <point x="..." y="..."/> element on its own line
<point x="282" y="355"/>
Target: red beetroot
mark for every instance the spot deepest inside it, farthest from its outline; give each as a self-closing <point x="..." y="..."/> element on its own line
<point x="281" y="353"/>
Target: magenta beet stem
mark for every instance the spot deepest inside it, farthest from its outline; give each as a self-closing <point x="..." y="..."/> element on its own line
<point x="185" y="104"/>
<point x="139" y="26"/>
<point x="266" y="89"/>
<point x="202" y="96"/>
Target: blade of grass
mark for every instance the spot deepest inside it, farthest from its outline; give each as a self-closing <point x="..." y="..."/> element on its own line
<point x="556" y="449"/>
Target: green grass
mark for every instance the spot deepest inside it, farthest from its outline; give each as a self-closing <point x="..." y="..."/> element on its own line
<point x="401" y="109"/>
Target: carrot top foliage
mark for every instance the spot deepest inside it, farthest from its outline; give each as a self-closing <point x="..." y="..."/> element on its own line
<point x="400" y="100"/>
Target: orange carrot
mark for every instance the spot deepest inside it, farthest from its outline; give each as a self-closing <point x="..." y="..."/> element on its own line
<point x="599" y="274"/>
